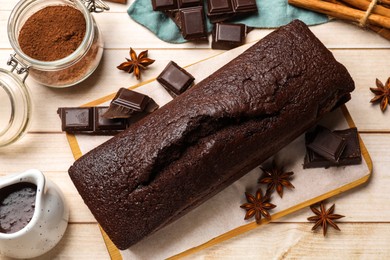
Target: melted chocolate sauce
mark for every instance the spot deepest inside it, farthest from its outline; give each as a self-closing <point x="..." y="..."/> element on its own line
<point x="17" y="204"/>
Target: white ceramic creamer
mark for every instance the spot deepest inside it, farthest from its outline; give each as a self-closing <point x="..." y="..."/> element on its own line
<point x="48" y="222"/>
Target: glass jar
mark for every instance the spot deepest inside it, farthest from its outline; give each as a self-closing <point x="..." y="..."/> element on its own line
<point x="15" y="107"/>
<point x="72" y="69"/>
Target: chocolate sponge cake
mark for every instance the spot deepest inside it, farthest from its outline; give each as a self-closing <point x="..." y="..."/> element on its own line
<point x="205" y="139"/>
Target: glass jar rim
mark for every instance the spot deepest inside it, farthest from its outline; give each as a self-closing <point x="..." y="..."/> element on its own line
<point x="56" y="64"/>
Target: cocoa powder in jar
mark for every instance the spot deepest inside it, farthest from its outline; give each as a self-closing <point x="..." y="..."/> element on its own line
<point x="52" y="33"/>
<point x="65" y="29"/>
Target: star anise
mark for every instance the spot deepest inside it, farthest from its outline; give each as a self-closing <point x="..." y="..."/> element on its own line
<point x="276" y="178"/>
<point x="257" y="206"/>
<point x="382" y="93"/>
<point x="324" y="217"/>
<point x="136" y="63"/>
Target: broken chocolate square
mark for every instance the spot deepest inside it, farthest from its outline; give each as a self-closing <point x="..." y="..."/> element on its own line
<point x="327" y="144"/>
<point x="175" y="79"/>
<point x="228" y="36"/>
<point x="192" y="22"/>
<point x="350" y="156"/>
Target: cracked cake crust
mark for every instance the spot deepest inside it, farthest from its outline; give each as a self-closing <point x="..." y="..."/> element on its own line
<point x="173" y="160"/>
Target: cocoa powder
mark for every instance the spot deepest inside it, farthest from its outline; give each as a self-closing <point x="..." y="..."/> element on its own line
<point x="52" y="33"/>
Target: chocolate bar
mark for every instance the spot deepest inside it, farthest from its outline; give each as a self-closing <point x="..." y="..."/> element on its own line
<point x="192" y="20"/>
<point x="175" y="79"/>
<point x="222" y="10"/>
<point x="228" y="36"/>
<point x="161" y="5"/>
<point x="89" y="120"/>
<point x="327" y="144"/>
<point x="350" y="156"/>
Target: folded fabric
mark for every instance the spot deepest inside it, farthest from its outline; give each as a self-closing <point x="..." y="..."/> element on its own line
<point x="271" y="14"/>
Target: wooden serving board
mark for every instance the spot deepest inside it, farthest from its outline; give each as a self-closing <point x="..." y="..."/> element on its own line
<point x="220" y="218"/>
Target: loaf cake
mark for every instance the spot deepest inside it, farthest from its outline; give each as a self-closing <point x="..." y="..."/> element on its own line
<point x="193" y="147"/>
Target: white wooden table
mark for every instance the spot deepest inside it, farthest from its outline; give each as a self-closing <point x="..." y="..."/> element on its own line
<point x="366" y="227"/>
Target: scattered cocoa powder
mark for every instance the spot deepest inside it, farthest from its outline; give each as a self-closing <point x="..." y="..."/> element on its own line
<point x="52" y="33"/>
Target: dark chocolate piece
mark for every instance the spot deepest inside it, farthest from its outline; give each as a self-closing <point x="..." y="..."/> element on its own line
<point x="131" y="99"/>
<point x="76" y="119"/>
<point x="127" y="103"/>
<point x="161" y="5"/>
<point x="219" y="6"/>
<point x="352" y="153"/>
<point x="327" y="144"/>
<point x="189" y="3"/>
<point x="103" y="124"/>
<point x="244" y="6"/>
<point x="350" y="156"/>
<point x="228" y="36"/>
<point x="192" y="21"/>
<point x="175" y="79"/>
<point x="89" y="120"/>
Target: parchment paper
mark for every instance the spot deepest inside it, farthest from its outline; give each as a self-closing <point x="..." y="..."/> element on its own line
<point x="222" y="213"/>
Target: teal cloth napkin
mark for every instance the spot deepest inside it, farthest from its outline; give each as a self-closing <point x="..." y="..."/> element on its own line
<point x="272" y="13"/>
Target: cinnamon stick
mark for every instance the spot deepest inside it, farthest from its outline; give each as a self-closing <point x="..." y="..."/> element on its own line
<point x="363" y="5"/>
<point x="385" y="2"/>
<point x="341" y="12"/>
<point x="385" y="33"/>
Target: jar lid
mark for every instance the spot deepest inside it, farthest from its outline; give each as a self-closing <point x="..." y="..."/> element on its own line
<point x="15" y="107"/>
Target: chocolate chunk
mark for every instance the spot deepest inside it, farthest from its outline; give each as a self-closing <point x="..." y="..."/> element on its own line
<point x="244" y="6"/>
<point x="175" y="79"/>
<point x="228" y="36"/>
<point x="192" y="21"/>
<point x="161" y="5"/>
<point x="219" y="10"/>
<point x="327" y="144"/>
<point x="104" y="125"/>
<point x="350" y="156"/>
<point x="131" y="99"/>
<point x="89" y="120"/>
<point x="219" y="6"/>
<point x="352" y="153"/>
<point x="189" y="3"/>
<point x="128" y="103"/>
<point x="76" y="119"/>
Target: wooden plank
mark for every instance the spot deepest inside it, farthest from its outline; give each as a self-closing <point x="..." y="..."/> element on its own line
<point x="80" y="241"/>
<point x="365" y="66"/>
<point x="47" y="152"/>
<point x="297" y="241"/>
<point x="120" y="31"/>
